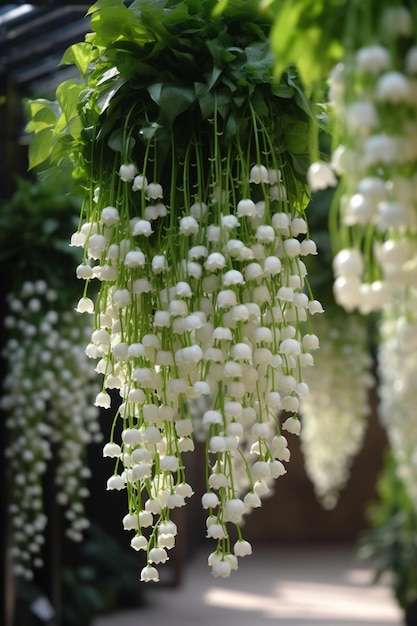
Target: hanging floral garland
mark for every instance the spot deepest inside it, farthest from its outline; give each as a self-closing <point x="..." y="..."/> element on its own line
<point x="335" y="413"/>
<point x="49" y="384"/>
<point x="193" y="167"/>
<point x="370" y="58"/>
<point x="397" y="368"/>
<point x="47" y="397"/>
<point x="373" y="106"/>
<point x="373" y="109"/>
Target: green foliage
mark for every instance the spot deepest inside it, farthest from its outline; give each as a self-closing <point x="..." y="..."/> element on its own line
<point x="35" y="228"/>
<point x="392" y="539"/>
<point x="105" y="575"/>
<point x="156" y="65"/>
<point x="308" y="33"/>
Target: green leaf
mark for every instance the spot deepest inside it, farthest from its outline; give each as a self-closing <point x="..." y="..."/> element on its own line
<point x="79" y="54"/>
<point x="220" y="6"/>
<point x="206" y="100"/>
<point x="100" y="4"/>
<point x="67" y="95"/>
<point x="155" y="92"/>
<point x="215" y="74"/>
<point x="40" y="147"/>
<point x="116" y="142"/>
<point x="107" y="94"/>
<point x="174" y="100"/>
<point x="148" y="132"/>
<point x="42" y="114"/>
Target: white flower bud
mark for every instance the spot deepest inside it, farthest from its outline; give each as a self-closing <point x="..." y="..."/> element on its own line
<point x="215" y="261"/>
<point x="233" y="510"/>
<point x="229" y="222"/>
<point x="277" y="469"/>
<point x="258" y="174"/>
<point x="142" y="227"/>
<point x="292" y="247"/>
<point x="292" y="425"/>
<point x="85" y="305"/>
<point x="130" y="522"/>
<point x="154" y="191"/>
<point x="158" y="555"/>
<point x="393" y="87"/>
<point x="139" y="543"/>
<point x="112" y="450"/>
<point x="127" y="172"/>
<point x="115" y="482"/>
<point x="246" y="207"/>
<point x="242" y="548"/>
<point x="217" y="444"/>
<point x="216" y="531"/>
<point x="159" y="264"/>
<point x="188" y="225"/>
<point x="348" y="262"/>
<point x="110" y="216"/>
<point x="209" y="500"/>
<point x="252" y="500"/>
<point x="103" y="400"/>
<point x="265" y="234"/>
<point x="281" y="222"/>
<point x="310" y="342"/>
<point x="217" y="480"/>
<point x="233" y="277"/>
<point x="373" y="59"/>
<point x="198" y="210"/>
<point x="213" y="233"/>
<point x="149" y="574"/>
<point x="221" y="569"/>
<point x="226" y="298"/>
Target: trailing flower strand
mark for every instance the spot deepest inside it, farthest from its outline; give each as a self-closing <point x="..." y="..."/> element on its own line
<point x="373" y="111"/>
<point x="334" y="414"/>
<point x="193" y="224"/>
<point x="47" y="396"/>
<point x="397" y="366"/>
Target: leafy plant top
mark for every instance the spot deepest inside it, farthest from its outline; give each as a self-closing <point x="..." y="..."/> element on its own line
<point x="159" y="65"/>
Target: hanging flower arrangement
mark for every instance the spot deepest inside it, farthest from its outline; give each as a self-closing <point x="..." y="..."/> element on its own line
<point x="335" y="413"/>
<point x="192" y="164"/>
<point x="369" y="58"/>
<point x="367" y="53"/>
<point x="373" y="106"/>
<point x="49" y="384"/>
<point x="47" y="397"/>
<point x="397" y="369"/>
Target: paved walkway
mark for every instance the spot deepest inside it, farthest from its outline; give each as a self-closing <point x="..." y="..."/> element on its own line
<point x="309" y="586"/>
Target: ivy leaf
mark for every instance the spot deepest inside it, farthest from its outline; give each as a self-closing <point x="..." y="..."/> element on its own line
<point x="174" y="100"/>
<point x="299" y="96"/>
<point x="206" y="99"/>
<point x="155" y="92"/>
<point x="42" y="114"/>
<point x="107" y="94"/>
<point x="79" y="54"/>
<point x="215" y="74"/>
<point x="148" y="132"/>
<point x="67" y="95"/>
<point x="117" y="144"/>
<point x="40" y="147"/>
<point x="308" y="33"/>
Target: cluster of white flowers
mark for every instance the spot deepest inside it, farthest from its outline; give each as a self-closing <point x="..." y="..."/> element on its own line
<point x="47" y="396"/>
<point x="397" y="370"/>
<point x="374" y="103"/>
<point x="200" y="302"/>
<point x="334" y="414"/>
